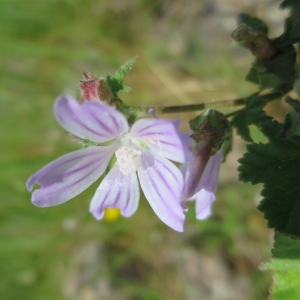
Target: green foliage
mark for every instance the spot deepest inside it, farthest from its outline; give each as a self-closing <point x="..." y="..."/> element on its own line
<point x="291" y="126"/>
<point x="253" y="22"/>
<point x="292" y="23"/>
<point x="277" y="73"/>
<point x="276" y="165"/>
<point x="251" y="114"/>
<point x="286" y="267"/>
<point x="115" y="82"/>
<point x="227" y="144"/>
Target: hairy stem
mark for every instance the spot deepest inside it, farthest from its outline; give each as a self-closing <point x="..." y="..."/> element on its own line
<point x="190" y="107"/>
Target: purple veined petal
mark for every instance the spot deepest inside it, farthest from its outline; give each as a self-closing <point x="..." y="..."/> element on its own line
<point x="91" y="120"/>
<point x="188" y="153"/>
<point x="186" y="140"/>
<point x="209" y="178"/>
<point x="204" y="201"/>
<point x="162" y="182"/>
<point x="160" y="136"/>
<point x="116" y="190"/>
<point x="69" y="175"/>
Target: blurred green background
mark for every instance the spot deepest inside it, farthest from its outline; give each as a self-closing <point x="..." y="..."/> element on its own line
<point x="185" y="55"/>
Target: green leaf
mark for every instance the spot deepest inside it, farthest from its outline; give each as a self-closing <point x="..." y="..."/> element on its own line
<point x="291" y="125"/>
<point x="115" y="82"/>
<point x="124" y="70"/>
<point x="125" y="89"/>
<point x="254" y="23"/>
<point x="292" y="24"/>
<point x="286" y="267"/>
<point x="276" y="165"/>
<point x="278" y="72"/>
<point x="252" y="114"/>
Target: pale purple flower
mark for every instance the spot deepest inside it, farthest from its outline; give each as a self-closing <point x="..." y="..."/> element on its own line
<point x="143" y="150"/>
<point x="205" y="189"/>
<point x="207" y="186"/>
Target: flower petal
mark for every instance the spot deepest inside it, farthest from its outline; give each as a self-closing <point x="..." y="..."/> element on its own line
<point x="161" y="136"/>
<point x="91" y="120"/>
<point x="162" y="182"/>
<point x="204" y="201"/>
<point x="69" y="175"/>
<point x="209" y="178"/>
<point x="116" y="190"/>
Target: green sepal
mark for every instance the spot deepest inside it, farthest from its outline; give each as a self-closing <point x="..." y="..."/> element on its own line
<point x="111" y="163"/>
<point x="84" y="142"/>
<point x="227" y="144"/>
<point x="210" y="125"/>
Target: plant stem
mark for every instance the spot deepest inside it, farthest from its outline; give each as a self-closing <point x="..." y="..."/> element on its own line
<point x="191" y="107"/>
<point x="234" y="113"/>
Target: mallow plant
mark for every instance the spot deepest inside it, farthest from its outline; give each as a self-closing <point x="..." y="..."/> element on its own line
<point x="136" y="150"/>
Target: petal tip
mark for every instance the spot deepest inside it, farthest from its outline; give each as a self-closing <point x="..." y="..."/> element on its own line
<point x="96" y="214"/>
<point x="30" y="183"/>
<point x="180" y="229"/>
<point x="36" y="201"/>
<point x="178" y="224"/>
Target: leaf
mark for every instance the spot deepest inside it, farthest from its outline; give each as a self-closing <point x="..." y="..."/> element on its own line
<point x="276" y="165"/>
<point x="124" y="70"/>
<point x="115" y="82"/>
<point x="291" y="125"/>
<point x="252" y="114"/>
<point x="254" y="23"/>
<point x="278" y="72"/>
<point x="292" y="24"/>
<point x="125" y="89"/>
<point x="286" y="267"/>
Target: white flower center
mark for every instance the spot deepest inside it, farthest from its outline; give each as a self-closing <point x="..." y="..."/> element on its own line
<point x="128" y="159"/>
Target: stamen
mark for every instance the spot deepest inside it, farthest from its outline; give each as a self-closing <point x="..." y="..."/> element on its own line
<point x="128" y="159"/>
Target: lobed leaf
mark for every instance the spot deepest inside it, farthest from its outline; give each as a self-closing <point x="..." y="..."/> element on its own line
<point x="277" y="73"/>
<point x="292" y="24"/>
<point x="291" y="126"/>
<point x="276" y="165"/>
<point x="253" y="22"/>
<point x="252" y="114"/>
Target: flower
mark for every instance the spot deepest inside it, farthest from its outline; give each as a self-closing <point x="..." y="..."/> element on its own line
<point x="207" y="186"/>
<point x="143" y="149"/>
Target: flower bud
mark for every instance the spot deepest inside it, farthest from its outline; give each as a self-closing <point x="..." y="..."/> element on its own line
<point x="210" y="129"/>
<point x="256" y="41"/>
<point x="94" y="89"/>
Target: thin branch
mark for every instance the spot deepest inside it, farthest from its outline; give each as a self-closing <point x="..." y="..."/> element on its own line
<point x="190" y="107"/>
